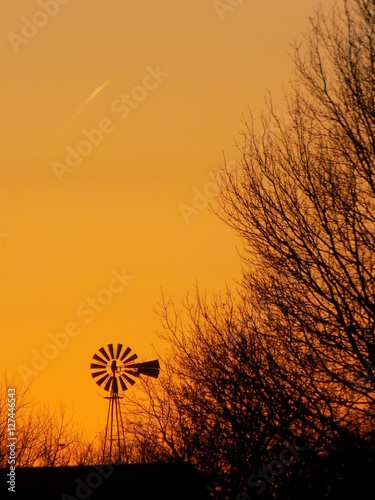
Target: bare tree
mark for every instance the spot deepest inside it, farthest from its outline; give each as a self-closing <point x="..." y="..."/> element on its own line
<point x="44" y="437"/>
<point x="218" y="403"/>
<point x="303" y="202"/>
<point x="23" y="405"/>
<point x="58" y="439"/>
<point x="294" y="356"/>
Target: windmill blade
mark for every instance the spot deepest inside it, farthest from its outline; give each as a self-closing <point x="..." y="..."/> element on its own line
<point x="98" y="374"/>
<point x="131" y="358"/>
<point x="118" y="352"/>
<point x="109" y="383"/>
<point x="103" y="379"/>
<point x="105" y="354"/>
<point x="95" y="366"/>
<point x="123" y="385"/>
<point x="128" y="379"/>
<point x="98" y="358"/>
<point x="110" y="347"/>
<point x="149" y="368"/>
<point x="127" y="350"/>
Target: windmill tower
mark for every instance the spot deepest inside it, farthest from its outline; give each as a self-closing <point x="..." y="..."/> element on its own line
<point x="113" y="368"/>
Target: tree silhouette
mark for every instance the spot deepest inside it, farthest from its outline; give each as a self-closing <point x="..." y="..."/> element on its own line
<point x="303" y="202"/>
<point x="293" y="358"/>
<point x="44" y="437"/>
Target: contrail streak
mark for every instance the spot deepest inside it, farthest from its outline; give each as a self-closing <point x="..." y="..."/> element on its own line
<point x="91" y="97"/>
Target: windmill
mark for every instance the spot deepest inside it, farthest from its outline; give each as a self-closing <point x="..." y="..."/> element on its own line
<point x="113" y="369"/>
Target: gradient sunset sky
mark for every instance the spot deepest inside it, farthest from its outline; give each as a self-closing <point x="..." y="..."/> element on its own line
<point x="167" y="84"/>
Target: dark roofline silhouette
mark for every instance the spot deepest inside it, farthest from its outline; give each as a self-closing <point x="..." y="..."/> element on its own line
<point x="164" y="481"/>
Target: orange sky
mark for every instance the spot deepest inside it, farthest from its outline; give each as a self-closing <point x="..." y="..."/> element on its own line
<point x="176" y="78"/>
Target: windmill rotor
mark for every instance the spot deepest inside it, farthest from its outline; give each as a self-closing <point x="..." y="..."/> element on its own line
<point x="113" y="368"/>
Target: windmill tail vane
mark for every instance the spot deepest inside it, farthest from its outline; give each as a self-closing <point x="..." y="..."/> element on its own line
<point x="113" y="369"/>
<point x="149" y="368"/>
